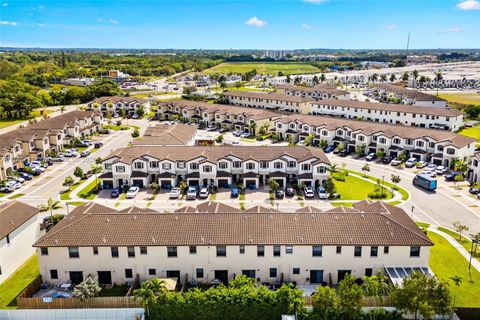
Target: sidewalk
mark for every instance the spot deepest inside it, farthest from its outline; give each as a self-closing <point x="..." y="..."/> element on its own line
<point x="458" y="246"/>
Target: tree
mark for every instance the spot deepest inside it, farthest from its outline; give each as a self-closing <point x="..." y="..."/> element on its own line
<point x="149" y="292"/>
<point x="475" y="238"/>
<point x="415" y="76"/>
<point x="68" y="182"/>
<point x="96" y="169"/>
<point x="423" y="295"/>
<point x="252" y="126"/>
<point x="183" y="186"/>
<point x="315" y="80"/>
<point x="219" y="139"/>
<point x="323" y="78"/>
<point x="51" y="205"/>
<point x="395" y="180"/>
<point x="135" y="133"/>
<point x="360" y="150"/>
<point x="459" y="227"/>
<point x="309" y="139"/>
<point x="98" y="160"/>
<point x="273" y="184"/>
<point x="78" y="172"/>
<point x="154" y="186"/>
<point x="351" y="297"/>
<point x="383" y="78"/>
<point x="365" y="168"/>
<point x="457" y="281"/>
<point x="103" y="87"/>
<point x="88" y="288"/>
<point x="325" y="303"/>
<point x="140" y="111"/>
<point x="402" y="156"/>
<point x="405" y="77"/>
<point x="438" y="78"/>
<point x="380" y="153"/>
<point x="329" y="186"/>
<point x="393" y="77"/>
<point x="473" y="111"/>
<point x="340" y="147"/>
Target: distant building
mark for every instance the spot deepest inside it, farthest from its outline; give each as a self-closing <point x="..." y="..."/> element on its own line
<point x="117" y="74"/>
<point x="423" y="59"/>
<point x="168" y="135"/>
<point x="274" y="54"/>
<point x="387" y="91"/>
<point x="82" y="82"/>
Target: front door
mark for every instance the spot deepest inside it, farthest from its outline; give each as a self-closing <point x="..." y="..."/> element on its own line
<point x="342" y="274"/>
<point x="249" y="273"/>
<point x="222" y="275"/>
<point x="76" y="277"/>
<point x="173" y="274"/>
<point x="316" y="276"/>
<point x="104" y="277"/>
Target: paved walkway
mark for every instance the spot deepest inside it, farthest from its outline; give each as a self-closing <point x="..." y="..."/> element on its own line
<point x="458" y="246"/>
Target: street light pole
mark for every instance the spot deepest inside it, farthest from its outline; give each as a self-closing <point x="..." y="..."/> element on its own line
<point x="383" y="182"/>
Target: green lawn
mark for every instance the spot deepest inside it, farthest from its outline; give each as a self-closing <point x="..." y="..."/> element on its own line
<point x="400" y="190"/>
<point x="76" y="203"/>
<point x="15" y="196"/>
<point x="446" y="262"/>
<point x="472" y="132"/>
<point x="66" y="195"/>
<point x="354" y="188"/>
<point x="90" y="191"/>
<point x="465" y="242"/>
<point x="116" y="291"/>
<point x="10" y="122"/>
<point x="342" y="204"/>
<point x="263" y="68"/>
<point x="423" y="224"/>
<point x="17" y="282"/>
<point x="470" y="98"/>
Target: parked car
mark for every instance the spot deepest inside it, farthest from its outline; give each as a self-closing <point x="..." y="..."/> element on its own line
<point x="309" y="193"/>
<point x="322" y="193"/>
<point x="25" y="175"/>
<point x="203" y="194"/>
<point x="345" y="152"/>
<point x="17" y="179"/>
<point x="245" y="135"/>
<point x="279" y="194"/>
<point x="421" y="164"/>
<point x="115" y="193"/>
<point x="98" y="145"/>
<point x="132" y="192"/>
<point x="410" y="163"/>
<point x="450" y="176"/>
<point x="84" y="153"/>
<point x="234" y="192"/>
<point x="174" y="193"/>
<point x="7" y="188"/>
<point x="290" y="192"/>
<point x="38" y="169"/>
<point x="329" y="149"/>
<point x="191" y="193"/>
<point x="441" y="169"/>
<point x="72" y="153"/>
<point x="135" y="116"/>
<point x="395" y="162"/>
<point x="431" y="167"/>
<point x="38" y="163"/>
<point x="429" y="173"/>
<point x="371" y="156"/>
<point x="14" y="184"/>
<point x="86" y="143"/>
<point x="386" y="160"/>
<point x="473" y="190"/>
<point x="222" y="130"/>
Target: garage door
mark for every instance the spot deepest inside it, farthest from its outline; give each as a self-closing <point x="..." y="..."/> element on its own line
<point x="138" y="183"/>
<point x="166" y="184"/>
<point x="280" y="182"/>
<point x="223" y="183"/>
<point x="107" y="185"/>
<point x="393" y="154"/>
<point x="193" y="183"/>
<point x="251" y="184"/>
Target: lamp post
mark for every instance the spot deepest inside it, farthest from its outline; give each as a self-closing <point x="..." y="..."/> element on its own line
<point x="383" y="182"/>
<point x="68" y="209"/>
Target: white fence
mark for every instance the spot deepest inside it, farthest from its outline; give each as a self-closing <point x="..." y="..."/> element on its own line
<point x="73" y="314"/>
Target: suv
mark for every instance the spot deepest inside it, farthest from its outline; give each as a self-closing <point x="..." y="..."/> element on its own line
<point x="191" y="193"/>
<point x="371" y="156"/>
<point x="322" y="193"/>
<point x="410" y="163"/>
<point x="203" y="194"/>
<point x="395" y="162"/>
<point x="309" y="193"/>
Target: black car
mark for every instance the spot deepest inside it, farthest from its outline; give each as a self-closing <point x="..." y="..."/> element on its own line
<point x="98" y="145"/>
<point x="473" y="190"/>
<point x="387" y="159"/>
<point x="279" y="194"/>
<point x="450" y="176"/>
<point x="329" y="149"/>
<point x="290" y="192"/>
<point x="344" y="153"/>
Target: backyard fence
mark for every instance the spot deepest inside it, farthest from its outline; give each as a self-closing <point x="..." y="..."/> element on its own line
<point x="92" y="303"/>
<point x="367" y="301"/>
<point x="31" y="289"/>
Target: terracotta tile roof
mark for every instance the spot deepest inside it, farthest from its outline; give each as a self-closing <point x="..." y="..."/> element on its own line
<point x="168" y="135"/>
<point x="210" y="207"/>
<point x="413" y="94"/>
<point x="388" y="130"/>
<point x="392" y="227"/>
<point x="319" y="88"/>
<point x="215" y="153"/>
<point x="13" y="214"/>
<point x="446" y="112"/>
<point x="136" y="210"/>
<point x="269" y="96"/>
<point x="115" y="99"/>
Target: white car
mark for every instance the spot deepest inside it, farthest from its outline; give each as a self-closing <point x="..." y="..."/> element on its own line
<point x="395" y="162"/>
<point x="410" y="162"/>
<point x="38" y="168"/>
<point x="14" y="184"/>
<point x="309" y="193"/>
<point x="175" y="193"/>
<point x="244" y="135"/>
<point x="135" y="116"/>
<point x="87" y="142"/>
<point x="203" y="194"/>
<point x="322" y="193"/>
<point x="429" y="173"/>
<point x="72" y="153"/>
<point x="191" y="193"/>
<point x="132" y="192"/>
<point x="431" y="167"/>
<point x="37" y="163"/>
<point x="441" y="169"/>
<point x="17" y="179"/>
<point x="421" y="164"/>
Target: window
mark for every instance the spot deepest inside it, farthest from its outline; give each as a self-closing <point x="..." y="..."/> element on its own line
<point x="237" y="164"/>
<point x="114" y="252"/>
<point x="374" y="251"/>
<point x="296" y="271"/>
<point x="221" y="251"/>
<point x="358" y="252"/>
<point x="108" y="166"/>
<point x="120" y="168"/>
<point x="419" y="143"/>
<point x="382" y="140"/>
<point x="292" y="164"/>
<point x="193" y="166"/>
<point x="73" y="252"/>
<point x="450" y="151"/>
<point x="340" y="132"/>
<point x="263" y="165"/>
<point x="386" y="250"/>
<point x="138" y="165"/>
<point x="171" y="252"/>
<point x="440" y="148"/>
<point x="273" y="272"/>
<point x="409" y="142"/>
<point x="153" y="164"/>
<point x="396" y="141"/>
<point x="250" y="166"/>
<point x="368" y="272"/>
<point x="95" y="251"/>
<point x="278" y="165"/>
<point x="143" y="250"/>
<point x="152" y="272"/>
<point x="321" y="169"/>
<point x="316" y="251"/>
<point x="223" y="165"/>
<point x="260" y="251"/>
<point x="166" y="166"/>
<point x="131" y="252"/>
<point x="306" y="167"/>
<point x="324" y="133"/>
<point x="43" y="251"/>
<point x="339" y="249"/>
<point x="128" y="273"/>
<point x="193" y="250"/>
<point x="289" y="249"/>
<point x="199" y="273"/>
<point x="276" y="251"/>
<point x="414" y="251"/>
<point x="180" y="164"/>
<point x="53" y="274"/>
<point x="207" y="168"/>
<point x="242" y="249"/>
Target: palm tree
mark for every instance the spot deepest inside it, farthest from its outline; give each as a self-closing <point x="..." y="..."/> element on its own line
<point x="323" y="78"/>
<point x="438" y="78"/>
<point x="150" y="292"/>
<point x="62" y="109"/>
<point x="405" y="77"/>
<point x="457" y="280"/>
<point x="96" y="169"/>
<point x="333" y="168"/>
<point x="374" y="77"/>
<point x="393" y="77"/>
<point x="252" y="127"/>
<point x="473" y="251"/>
<point x="51" y="205"/>
<point x="383" y="78"/>
<point x="415" y="76"/>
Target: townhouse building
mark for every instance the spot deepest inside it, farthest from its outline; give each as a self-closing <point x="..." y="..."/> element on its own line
<point x="391" y="92"/>
<point x="473" y="170"/>
<point x="220" y="166"/>
<point x="273" y="101"/>
<point x="305" y="248"/>
<point x="114" y="104"/>
<point x="317" y="92"/>
<point x="230" y="117"/>
<point x="407" y="115"/>
<point x="437" y="146"/>
<point x="177" y="134"/>
<point x="19" y="229"/>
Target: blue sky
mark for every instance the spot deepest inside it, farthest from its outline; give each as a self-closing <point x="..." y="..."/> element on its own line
<point x="274" y="24"/>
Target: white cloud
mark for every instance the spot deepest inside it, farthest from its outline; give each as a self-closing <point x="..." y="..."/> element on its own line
<point x="469" y="5"/>
<point x="147" y="24"/>
<point x="113" y="21"/>
<point x="315" y="1"/>
<point x="391" y="27"/>
<point x="451" y="30"/>
<point x="41" y="25"/>
<point x="100" y="19"/>
<point x="8" y="23"/>
<point x="306" y="26"/>
<point x="254" y="21"/>
<point x="5" y="4"/>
